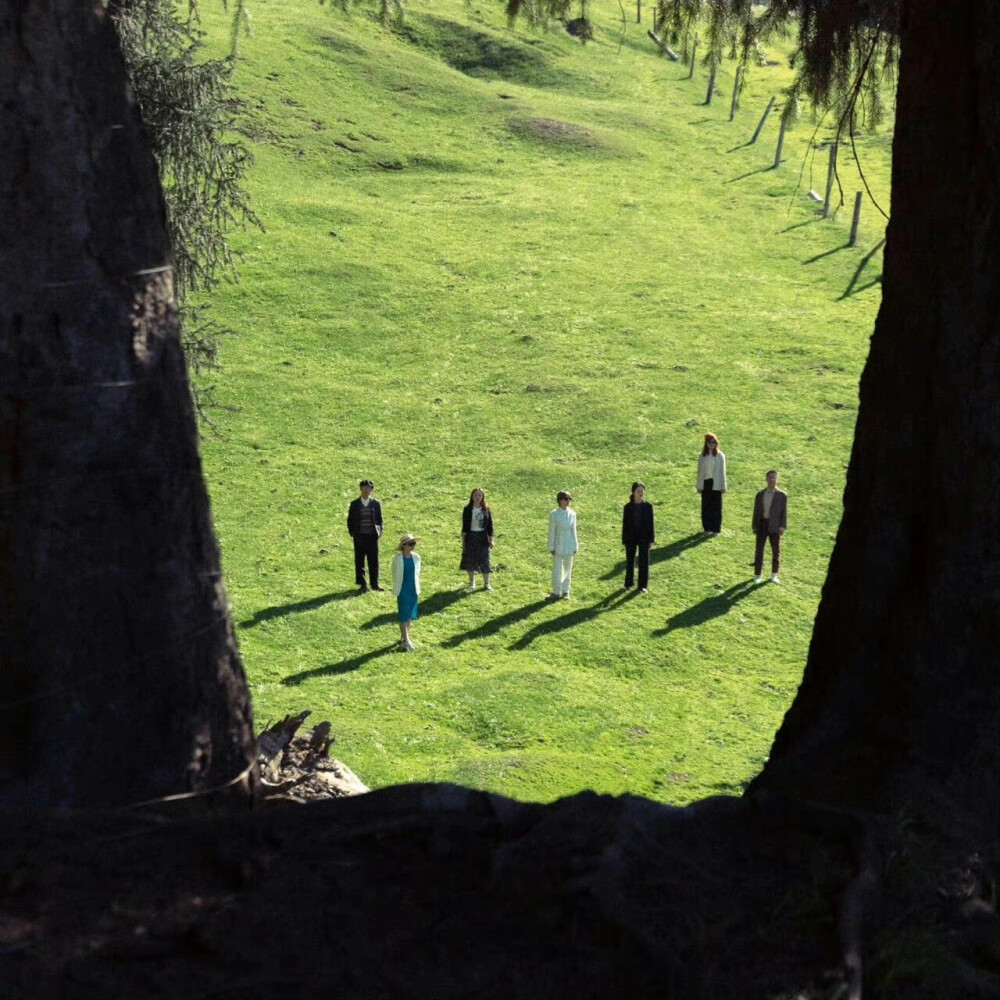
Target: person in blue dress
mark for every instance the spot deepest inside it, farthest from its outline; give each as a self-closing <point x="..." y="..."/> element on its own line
<point x="406" y="586"/>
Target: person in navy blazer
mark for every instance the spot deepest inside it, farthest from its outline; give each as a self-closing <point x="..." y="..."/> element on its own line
<point x="638" y="534"/>
<point x="364" y="525"/>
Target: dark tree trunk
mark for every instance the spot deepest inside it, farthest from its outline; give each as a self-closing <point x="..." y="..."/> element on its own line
<point x="899" y="702"/>
<point x="119" y="675"/>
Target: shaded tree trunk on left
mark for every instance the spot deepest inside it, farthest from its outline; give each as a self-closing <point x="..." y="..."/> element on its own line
<point x="120" y="679"/>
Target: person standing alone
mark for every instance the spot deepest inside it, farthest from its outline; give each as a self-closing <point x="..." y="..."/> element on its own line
<point x="637" y="535"/>
<point x="711" y="484"/>
<point x="770" y="518"/>
<point x="563" y="545"/>
<point x="364" y="525"/>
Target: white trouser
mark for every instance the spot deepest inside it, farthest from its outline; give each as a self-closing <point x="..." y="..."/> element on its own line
<point x="562" y="571"/>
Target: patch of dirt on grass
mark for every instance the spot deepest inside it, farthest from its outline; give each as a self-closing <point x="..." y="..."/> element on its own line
<point x="556" y="132"/>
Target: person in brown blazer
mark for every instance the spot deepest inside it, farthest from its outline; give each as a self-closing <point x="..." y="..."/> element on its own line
<point x="770" y="518"/>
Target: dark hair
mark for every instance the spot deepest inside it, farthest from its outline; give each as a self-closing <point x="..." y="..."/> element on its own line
<point x="710" y="439"/>
<point x="635" y="486"/>
<point x="486" y="506"/>
<point x="769" y="471"/>
<point x="366" y="482"/>
<point x="563" y="495"/>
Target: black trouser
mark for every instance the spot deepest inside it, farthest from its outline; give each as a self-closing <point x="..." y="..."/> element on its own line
<point x="366" y="546"/>
<point x="758" y="557"/>
<point x="711" y="507"/>
<point x="630" y="553"/>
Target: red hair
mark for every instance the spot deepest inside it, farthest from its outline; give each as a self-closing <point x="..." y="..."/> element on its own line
<point x="710" y="439"/>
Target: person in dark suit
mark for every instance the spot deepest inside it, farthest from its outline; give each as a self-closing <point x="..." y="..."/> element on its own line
<point x="364" y="525"/>
<point x="637" y="536"/>
<point x="770" y="518"/>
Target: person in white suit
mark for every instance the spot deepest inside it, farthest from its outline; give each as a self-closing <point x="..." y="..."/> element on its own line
<point x="563" y="545"/>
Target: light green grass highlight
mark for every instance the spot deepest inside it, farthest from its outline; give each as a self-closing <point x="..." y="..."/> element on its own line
<point x="453" y="292"/>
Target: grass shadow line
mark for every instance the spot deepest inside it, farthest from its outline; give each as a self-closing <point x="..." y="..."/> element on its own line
<point x="343" y="667"/>
<point x="849" y="290"/>
<point x="826" y="253"/>
<point x="613" y="600"/>
<point x="749" y="173"/>
<point x="495" y="625"/>
<point x="435" y="603"/>
<point x="704" y="611"/>
<point x="280" y="610"/>
<point x="799" y="225"/>
<point x="662" y="554"/>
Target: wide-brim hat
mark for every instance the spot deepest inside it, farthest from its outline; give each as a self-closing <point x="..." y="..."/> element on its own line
<point x="405" y="540"/>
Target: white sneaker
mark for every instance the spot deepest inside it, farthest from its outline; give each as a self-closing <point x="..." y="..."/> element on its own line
<point x="756" y="579"/>
<point x="487" y="587"/>
<point x="774" y="578"/>
<point x="408" y="646"/>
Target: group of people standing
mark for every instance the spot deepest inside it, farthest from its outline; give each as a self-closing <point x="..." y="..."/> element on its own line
<point x="365" y="525"/>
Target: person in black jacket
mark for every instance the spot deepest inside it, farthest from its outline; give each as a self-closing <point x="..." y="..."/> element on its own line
<point x="364" y="525"/>
<point x="477" y="538"/>
<point x="637" y="536"/>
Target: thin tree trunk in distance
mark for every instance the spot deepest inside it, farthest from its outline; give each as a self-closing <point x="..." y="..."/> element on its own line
<point x="855" y="220"/>
<point x="831" y="173"/>
<point x="781" y="142"/>
<point x="734" y="103"/>
<point x="119" y="674"/>
<point x="760" y="126"/>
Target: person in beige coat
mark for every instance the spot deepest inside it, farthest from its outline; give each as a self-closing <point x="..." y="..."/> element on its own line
<point x="711" y="484"/>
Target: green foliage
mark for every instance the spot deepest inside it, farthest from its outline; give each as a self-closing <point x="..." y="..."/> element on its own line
<point x="449" y="296"/>
<point x="184" y="100"/>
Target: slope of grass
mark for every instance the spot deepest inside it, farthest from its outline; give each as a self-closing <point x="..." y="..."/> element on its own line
<point x="501" y="258"/>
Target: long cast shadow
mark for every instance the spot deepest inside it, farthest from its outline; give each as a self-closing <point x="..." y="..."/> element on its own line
<point x="280" y="610"/>
<point x="706" y="610"/>
<point x="435" y="603"/>
<point x="663" y="553"/>
<point x="495" y="625"/>
<point x="574" y="618"/>
<point x="343" y="667"/>
<point x="826" y="253"/>
<point x="850" y="290"/>
<point x="749" y="173"/>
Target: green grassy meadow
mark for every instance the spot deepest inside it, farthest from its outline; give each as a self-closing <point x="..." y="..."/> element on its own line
<point x="499" y="258"/>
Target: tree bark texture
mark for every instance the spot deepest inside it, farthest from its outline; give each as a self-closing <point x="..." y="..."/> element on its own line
<point x="899" y="702"/>
<point x="120" y="679"/>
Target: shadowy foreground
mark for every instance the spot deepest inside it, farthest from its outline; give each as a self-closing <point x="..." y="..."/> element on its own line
<point x="438" y="891"/>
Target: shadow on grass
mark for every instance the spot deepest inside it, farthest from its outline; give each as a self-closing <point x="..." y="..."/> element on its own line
<point x="706" y="610"/>
<point x="799" y="225"/>
<point x="435" y="603"/>
<point x="662" y="554"/>
<point x="280" y="610"/>
<point x="343" y="667"/>
<point x="826" y="253"/>
<point x="749" y="173"/>
<point x="850" y="289"/>
<point x="574" y="618"/>
<point x="495" y="625"/>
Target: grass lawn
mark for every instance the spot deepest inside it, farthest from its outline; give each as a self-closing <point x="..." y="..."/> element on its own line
<point x="502" y="259"/>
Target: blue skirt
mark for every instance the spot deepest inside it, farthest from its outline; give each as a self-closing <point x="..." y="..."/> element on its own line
<point x="406" y="602"/>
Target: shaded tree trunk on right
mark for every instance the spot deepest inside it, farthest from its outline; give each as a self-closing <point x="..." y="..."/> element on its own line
<point x="899" y="702"/>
